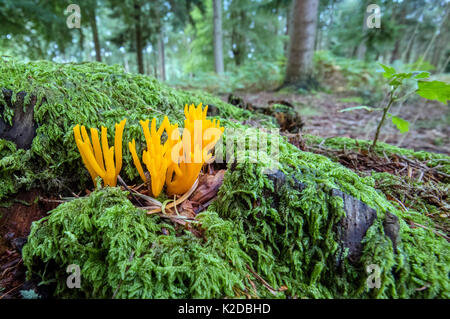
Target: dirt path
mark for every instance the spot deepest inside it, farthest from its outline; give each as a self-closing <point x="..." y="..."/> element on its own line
<point x="429" y="128"/>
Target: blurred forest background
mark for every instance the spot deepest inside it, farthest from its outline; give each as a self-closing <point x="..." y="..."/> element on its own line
<point x="253" y="48"/>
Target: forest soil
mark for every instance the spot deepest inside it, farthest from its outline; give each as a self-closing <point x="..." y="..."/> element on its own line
<point x="429" y="121"/>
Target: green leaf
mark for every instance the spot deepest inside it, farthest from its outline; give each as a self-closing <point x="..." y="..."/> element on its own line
<point x="361" y="107"/>
<point x="401" y="124"/>
<point x="389" y="71"/>
<point x="398" y="78"/>
<point x="434" y="90"/>
<point x="421" y="75"/>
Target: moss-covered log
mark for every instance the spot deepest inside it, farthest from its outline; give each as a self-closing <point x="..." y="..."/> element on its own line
<point x="284" y="231"/>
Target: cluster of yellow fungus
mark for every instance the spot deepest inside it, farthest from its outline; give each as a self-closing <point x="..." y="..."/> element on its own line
<point x="99" y="160"/>
<point x="177" y="162"/>
<point x="157" y="157"/>
<point x="192" y="150"/>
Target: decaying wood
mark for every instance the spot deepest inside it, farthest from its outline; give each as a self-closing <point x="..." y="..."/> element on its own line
<point x="23" y="129"/>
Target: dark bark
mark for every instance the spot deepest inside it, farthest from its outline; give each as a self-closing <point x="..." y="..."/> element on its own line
<point x="138" y="30"/>
<point x="395" y="52"/>
<point x="301" y="46"/>
<point x="237" y="39"/>
<point x="352" y="228"/>
<point x="93" y="21"/>
<point x="81" y="44"/>
<point x="23" y="129"/>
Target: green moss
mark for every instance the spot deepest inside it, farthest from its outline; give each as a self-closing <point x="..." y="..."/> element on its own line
<point x="139" y="261"/>
<point x="91" y="94"/>
<point x="14" y="169"/>
<point x="290" y="234"/>
<point x="286" y="234"/>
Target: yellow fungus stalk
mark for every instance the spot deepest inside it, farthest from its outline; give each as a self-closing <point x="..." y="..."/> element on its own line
<point x="192" y="150"/>
<point x="137" y="163"/>
<point x="99" y="159"/>
<point x="118" y="144"/>
<point x="97" y="148"/>
<point x="78" y="141"/>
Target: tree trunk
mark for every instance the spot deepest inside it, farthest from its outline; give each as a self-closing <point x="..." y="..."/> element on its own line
<point x="237" y="38"/>
<point x="218" y="49"/>
<point x="125" y="64"/>
<point x="394" y="55"/>
<point x="288" y="22"/>
<point x="301" y="46"/>
<point x="407" y="53"/>
<point x="137" y="17"/>
<point x="81" y="43"/>
<point x="330" y="25"/>
<point x="162" y="60"/>
<point x="438" y="30"/>
<point x="362" y="47"/>
<point x="441" y="43"/>
<point x="93" y="21"/>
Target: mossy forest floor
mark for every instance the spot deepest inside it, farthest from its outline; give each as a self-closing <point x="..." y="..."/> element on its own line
<point x="254" y="228"/>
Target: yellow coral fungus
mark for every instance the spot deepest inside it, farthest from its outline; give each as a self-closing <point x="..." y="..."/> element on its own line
<point x="199" y="137"/>
<point x="99" y="160"/>
<point x="157" y="157"/>
<point x="179" y="160"/>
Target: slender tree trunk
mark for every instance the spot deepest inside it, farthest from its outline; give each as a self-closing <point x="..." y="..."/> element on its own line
<point x="93" y="22"/>
<point x="330" y="25"/>
<point x="81" y="43"/>
<point x="438" y="30"/>
<point x="125" y="64"/>
<point x="218" y="49"/>
<point x="395" y="52"/>
<point x="408" y="49"/>
<point x="147" y="64"/>
<point x="362" y="47"/>
<point x="161" y="55"/>
<point x="138" y="30"/>
<point x="237" y="38"/>
<point x="444" y="66"/>
<point x="301" y="45"/>
<point x="288" y="22"/>
<point x="318" y="40"/>
<point x="441" y="43"/>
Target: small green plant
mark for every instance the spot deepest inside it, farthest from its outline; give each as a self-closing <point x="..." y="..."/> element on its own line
<point x="431" y="90"/>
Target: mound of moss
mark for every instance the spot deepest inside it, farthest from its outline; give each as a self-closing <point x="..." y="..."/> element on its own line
<point x="286" y="232"/>
<point x="124" y="253"/>
<point x="290" y="231"/>
<point x="94" y="95"/>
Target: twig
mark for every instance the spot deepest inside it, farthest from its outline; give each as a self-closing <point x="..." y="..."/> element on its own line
<point x="128" y="189"/>
<point x="434" y="231"/>
<point x="401" y="204"/>
<point x="385" y="111"/>
<point x="52" y="200"/>
<point x="265" y="284"/>
<point x="10" y="291"/>
<point x="179" y="201"/>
